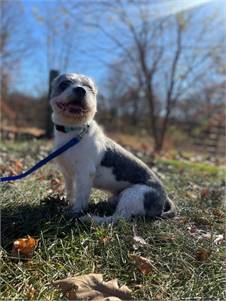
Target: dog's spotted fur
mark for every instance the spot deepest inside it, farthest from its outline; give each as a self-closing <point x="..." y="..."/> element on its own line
<point x="98" y="161"/>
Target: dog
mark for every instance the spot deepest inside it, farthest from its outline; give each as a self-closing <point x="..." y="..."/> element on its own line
<point x="99" y="162"/>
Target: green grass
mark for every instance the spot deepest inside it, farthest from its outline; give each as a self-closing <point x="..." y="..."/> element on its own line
<point x="66" y="247"/>
<point x="197" y="167"/>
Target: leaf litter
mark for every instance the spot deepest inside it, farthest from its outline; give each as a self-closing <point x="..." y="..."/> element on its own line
<point x="92" y="287"/>
<point x="23" y="248"/>
<point x="144" y="265"/>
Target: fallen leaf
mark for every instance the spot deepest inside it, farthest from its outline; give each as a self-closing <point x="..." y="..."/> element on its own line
<point x="144" y="264"/>
<point x="164" y="237"/>
<point x="191" y="195"/>
<point x="205" y="192"/>
<point x="105" y="239"/>
<point x="218" y="213"/>
<point x="203" y="254"/>
<point x="139" y="240"/>
<point x="24" y="246"/>
<point x="138" y="286"/>
<point x="30" y="292"/>
<point x="202" y="220"/>
<point x="219" y="239"/>
<point x="159" y="297"/>
<point x="206" y="235"/>
<point x="17" y="166"/>
<point x="92" y="287"/>
<point x="192" y="229"/>
<point x="198" y="233"/>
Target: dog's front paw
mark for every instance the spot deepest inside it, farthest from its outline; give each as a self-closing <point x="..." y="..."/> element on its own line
<point x="77" y="214"/>
<point x="77" y="211"/>
<point x="74" y="214"/>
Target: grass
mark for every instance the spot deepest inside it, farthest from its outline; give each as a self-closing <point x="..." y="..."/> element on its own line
<point x="66" y="247"/>
<point x="197" y="167"/>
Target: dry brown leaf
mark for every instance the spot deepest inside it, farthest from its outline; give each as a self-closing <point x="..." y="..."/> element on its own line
<point x="218" y="213"/>
<point x="92" y="287"/>
<point x="105" y="239"/>
<point x="17" y="166"/>
<point x="24" y="246"/>
<point x="220" y="239"/>
<point x="139" y="240"/>
<point x="191" y="195"/>
<point x="192" y="229"/>
<point x="205" y="192"/>
<point x="143" y="264"/>
<point x="201" y="220"/>
<point x="164" y="237"/>
<point x="203" y="254"/>
<point x="30" y="294"/>
<point x="197" y="233"/>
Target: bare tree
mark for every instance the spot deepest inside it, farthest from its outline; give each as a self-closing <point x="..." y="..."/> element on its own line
<point x="61" y="43"/>
<point x="162" y="55"/>
<point x="124" y="97"/>
<point x="15" y="42"/>
<point x="61" y="35"/>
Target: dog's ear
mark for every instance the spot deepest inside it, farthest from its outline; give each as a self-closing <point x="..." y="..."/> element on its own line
<point x="96" y="90"/>
<point x="95" y="87"/>
<point x="53" y="75"/>
<point x="52" y="87"/>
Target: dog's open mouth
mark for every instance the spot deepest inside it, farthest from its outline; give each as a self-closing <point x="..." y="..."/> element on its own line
<point x="71" y="107"/>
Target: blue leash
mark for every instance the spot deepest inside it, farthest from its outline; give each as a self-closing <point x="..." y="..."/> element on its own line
<point x="50" y="157"/>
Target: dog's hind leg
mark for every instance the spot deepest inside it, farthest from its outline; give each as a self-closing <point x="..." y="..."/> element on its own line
<point x="137" y="200"/>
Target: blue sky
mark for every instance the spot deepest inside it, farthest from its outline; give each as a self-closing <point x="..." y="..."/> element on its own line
<point x="34" y="67"/>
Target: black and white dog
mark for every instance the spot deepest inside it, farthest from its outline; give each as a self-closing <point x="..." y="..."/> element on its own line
<point x="99" y="162"/>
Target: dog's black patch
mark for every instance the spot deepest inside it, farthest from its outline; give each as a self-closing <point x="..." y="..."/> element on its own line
<point x="125" y="166"/>
<point x="153" y="203"/>
<point x="167" y="206"/>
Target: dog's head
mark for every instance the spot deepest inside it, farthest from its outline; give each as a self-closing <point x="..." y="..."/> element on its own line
<point x="73" y="99"/>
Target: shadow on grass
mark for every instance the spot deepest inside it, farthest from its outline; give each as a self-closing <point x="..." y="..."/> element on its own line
<point x="51" y="217"/>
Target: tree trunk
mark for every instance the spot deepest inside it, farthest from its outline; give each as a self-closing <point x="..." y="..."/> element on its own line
<point x="49" y="125"/>
<point x="153" y="120"/>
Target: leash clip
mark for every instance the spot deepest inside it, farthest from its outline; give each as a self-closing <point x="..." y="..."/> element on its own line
<point x="83" y="132"/>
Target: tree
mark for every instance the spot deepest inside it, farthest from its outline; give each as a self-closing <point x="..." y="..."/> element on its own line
<point x="161" y="54"/>
<point x="61" y="36"/>
<point x="124" y="97"/>
<point x="15" y="44"/>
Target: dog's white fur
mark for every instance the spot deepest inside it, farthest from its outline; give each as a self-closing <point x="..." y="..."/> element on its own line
<point x="82" y="165"/>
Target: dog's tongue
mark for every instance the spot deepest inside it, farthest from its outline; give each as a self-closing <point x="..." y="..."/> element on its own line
<point x="71" y="106"/>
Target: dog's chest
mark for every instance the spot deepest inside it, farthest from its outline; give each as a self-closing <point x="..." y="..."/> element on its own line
<point x="73" y="157"/>
<point x="80" y="157"/>
<point x="68" y="161"/>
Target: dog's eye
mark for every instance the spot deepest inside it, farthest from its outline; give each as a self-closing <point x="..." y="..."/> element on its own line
<point x="63" y="85"/>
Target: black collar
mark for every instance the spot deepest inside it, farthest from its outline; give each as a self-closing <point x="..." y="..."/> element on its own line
<point x="67" y="129"/>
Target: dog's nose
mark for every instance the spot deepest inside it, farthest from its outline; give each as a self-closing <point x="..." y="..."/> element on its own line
<point x="79" y="92"/>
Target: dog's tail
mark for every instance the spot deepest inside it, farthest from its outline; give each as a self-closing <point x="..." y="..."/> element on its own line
<point x="170" y="210"/>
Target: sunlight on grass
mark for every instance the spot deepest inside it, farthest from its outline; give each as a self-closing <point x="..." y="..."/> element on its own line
<point x="67" y="247"/>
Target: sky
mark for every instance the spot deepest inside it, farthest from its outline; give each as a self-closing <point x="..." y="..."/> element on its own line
<point x="34" y="67"/>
